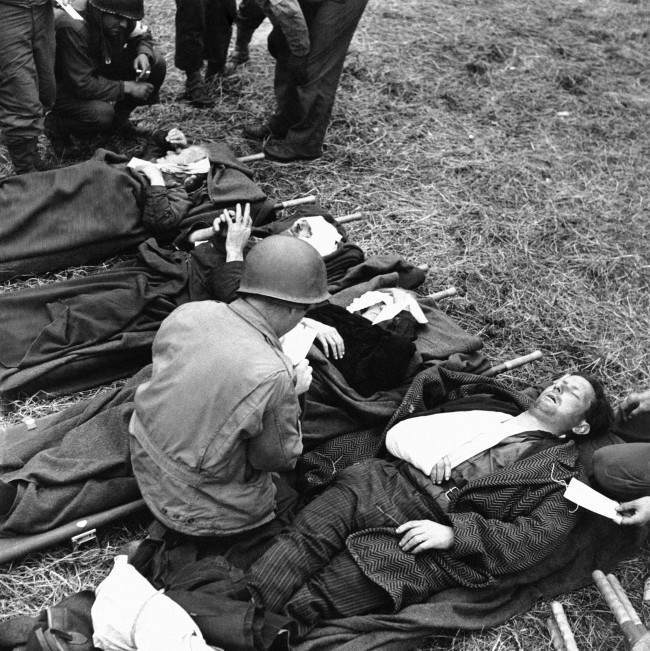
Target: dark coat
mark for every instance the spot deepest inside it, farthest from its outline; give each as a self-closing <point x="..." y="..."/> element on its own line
<point x="503" y="523"/>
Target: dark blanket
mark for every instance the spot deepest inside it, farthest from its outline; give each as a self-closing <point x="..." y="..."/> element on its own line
<point x="87" y="212"/>
<point x="53" y="457"/>
<point x="71" y="464"/>
<point x="83" y="332"/>
<point x="595" y="542"/>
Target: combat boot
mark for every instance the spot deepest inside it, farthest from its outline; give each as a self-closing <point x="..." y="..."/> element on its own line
<point x="24" y="154"/>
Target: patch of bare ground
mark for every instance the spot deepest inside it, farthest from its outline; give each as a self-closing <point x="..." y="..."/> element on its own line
<point x="505" y="144"/>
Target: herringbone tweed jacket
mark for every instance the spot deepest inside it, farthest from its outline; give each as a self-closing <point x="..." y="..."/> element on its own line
<point x="503" y="523"/>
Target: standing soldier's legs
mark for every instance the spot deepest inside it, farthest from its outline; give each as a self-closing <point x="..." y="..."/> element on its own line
<point x="190" y="49"/>
<point x="26" y="79"/>
<point x="308" y="106"/>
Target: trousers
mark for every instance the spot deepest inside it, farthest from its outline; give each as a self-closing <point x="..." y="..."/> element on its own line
<point x="203" y="31"/>
<point x="308" y="573"/>
<point x="86" y="117"/>
<point x="27" y="84"/>
<point x="303" y="110"/>
<point x="623" y="470"/>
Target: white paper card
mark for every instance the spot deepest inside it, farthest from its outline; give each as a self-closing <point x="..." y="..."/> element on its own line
<point x="590" y="499"/>
<point x="70" y="10"/>
<point x="297" y="342"/>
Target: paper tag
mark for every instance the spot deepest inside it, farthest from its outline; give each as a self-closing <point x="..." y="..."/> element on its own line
<point x="297" y="342"/>
<point x="590" y="499"/>
<point x="70" y="10"/>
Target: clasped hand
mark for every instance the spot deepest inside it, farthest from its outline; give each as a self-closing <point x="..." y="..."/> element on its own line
<point x="421" y="535"/>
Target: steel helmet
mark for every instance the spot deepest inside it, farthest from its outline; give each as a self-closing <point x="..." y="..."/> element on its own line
<point x="286" y="268"/>
<point x="131" y="9"/>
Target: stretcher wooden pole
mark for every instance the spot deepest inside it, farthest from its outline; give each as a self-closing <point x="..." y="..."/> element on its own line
<point x="556" y="636"/>
<point x="513" y="363"/>
<point x="251" y="157"/>
<point x="12" y="548"/>
<point x="445" y="293"/>
<point x="202" y="234"/>
<point x="638" y="641"/>
<point x="353" y="217"/>
<point x="563" y="626"/>
<point x="627" y="604"/>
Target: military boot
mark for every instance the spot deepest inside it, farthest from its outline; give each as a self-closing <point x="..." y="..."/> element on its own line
<point x="241" y="53"/>
<point x="24" y="154"/>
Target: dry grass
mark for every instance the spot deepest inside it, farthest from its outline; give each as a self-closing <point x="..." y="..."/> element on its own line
<point x="506" y="145"/>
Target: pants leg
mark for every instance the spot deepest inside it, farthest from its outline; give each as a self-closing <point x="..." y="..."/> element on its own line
<point x="44" y="55"/>
<point x="83" y="117"/>
<point x="190" y="34"/>
<point x="249" y="16"/>
<point x="26" y="68"/>
<point x="623" y="471"/>
<point x="332" y="24"/>
<point x="368" y="494"/>
<point x="340" y="590"/>
<point x="219" y="17"/>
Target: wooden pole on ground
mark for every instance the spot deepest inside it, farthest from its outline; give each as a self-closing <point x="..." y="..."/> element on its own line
<point x="513" y="363"/>
<point x="251" y="157"/>
<point x="637" y="635"/>
<point x="563" y="626"/>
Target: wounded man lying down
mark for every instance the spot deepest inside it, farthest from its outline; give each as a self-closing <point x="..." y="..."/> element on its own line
<point x="468" y="495"/>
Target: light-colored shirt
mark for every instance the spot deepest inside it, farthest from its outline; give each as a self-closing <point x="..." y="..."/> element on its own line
<point x="424" y="440"/>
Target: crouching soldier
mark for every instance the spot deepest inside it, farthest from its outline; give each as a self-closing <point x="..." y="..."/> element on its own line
<point x="105" y="66"/>
<point x="221" y="411"/>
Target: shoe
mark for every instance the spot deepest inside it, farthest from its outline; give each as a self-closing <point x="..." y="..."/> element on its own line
<point x="258" y="131"/>
<point x="236" y="59"/>
<point x="24" y="155"/>
<point x="125" y="128"/>
<point x="282" y="152"/>
<point x="196" y="92"/>
<point x="212" y="73"/>
<point x="59" y="139"/>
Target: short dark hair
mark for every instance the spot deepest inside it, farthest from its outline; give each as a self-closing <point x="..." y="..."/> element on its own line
<point x="600" y="414"/>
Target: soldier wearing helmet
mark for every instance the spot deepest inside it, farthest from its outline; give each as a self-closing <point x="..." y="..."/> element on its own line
<point x="105" y="66"/>
<point x="221" y="410"/>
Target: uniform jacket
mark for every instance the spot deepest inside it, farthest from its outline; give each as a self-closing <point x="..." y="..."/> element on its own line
<point x="504" y="522"/>
<point x="219" y="414"/>
<point x="82" y="70"/>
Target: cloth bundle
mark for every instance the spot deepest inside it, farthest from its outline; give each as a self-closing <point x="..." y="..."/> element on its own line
<point x="129" y="614"/>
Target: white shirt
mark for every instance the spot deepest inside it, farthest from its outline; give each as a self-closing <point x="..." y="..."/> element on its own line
<point x="460" y="435"/>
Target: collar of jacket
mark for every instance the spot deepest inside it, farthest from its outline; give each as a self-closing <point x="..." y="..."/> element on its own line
<point x="256" y="319"/>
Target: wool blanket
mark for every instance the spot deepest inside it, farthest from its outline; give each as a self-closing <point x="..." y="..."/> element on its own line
<point x="84" y="213"/>
<point x="51" y="465"/>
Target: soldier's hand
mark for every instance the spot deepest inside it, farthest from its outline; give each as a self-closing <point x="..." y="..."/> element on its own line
<point x="142" y="67"/>
<point x="138" y="90"/>
<point x="635" y="512"/>
<point x="634" y="404"/>
<point x="302" y="373"/>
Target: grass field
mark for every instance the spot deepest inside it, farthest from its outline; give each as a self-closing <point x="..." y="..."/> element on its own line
<point x="506" y="145"/>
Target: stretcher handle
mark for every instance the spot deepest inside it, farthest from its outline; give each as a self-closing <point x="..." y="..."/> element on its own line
<point x="251" y="157"/>
<point x="627" y="604"/>
<point x="353" y="217"/>
<point x="202" y="234"/>
<point x="513" y="363"/>
<point x="621" y="615"/>
<point x="556" y="636"/>
<point x="564" y="627"/>
<point x="445" y="293"/>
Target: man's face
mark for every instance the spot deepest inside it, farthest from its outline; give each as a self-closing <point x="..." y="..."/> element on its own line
<point x="116" y="27"/>
<point x="565" y="402"/>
